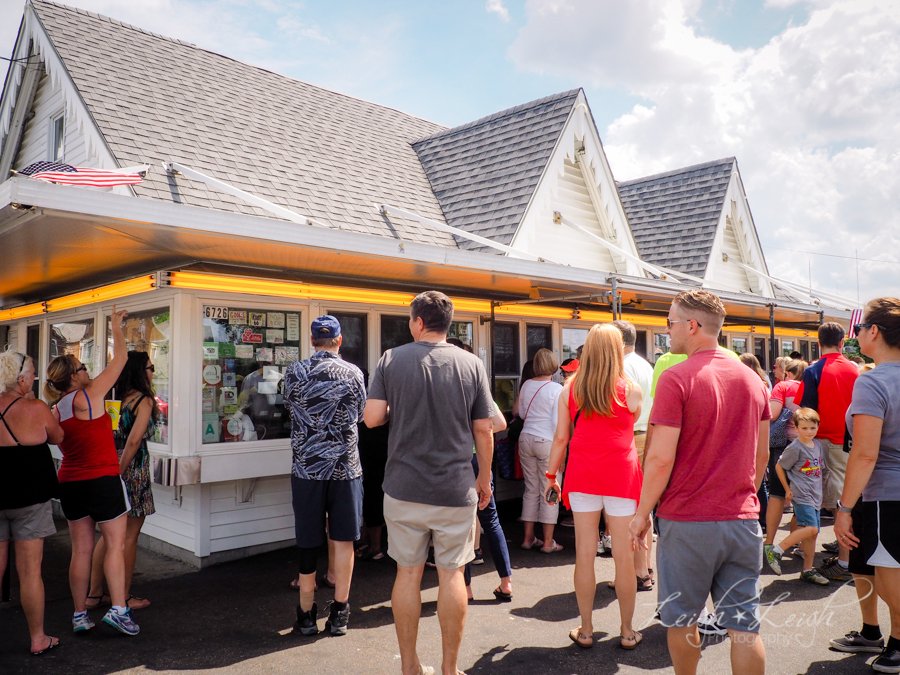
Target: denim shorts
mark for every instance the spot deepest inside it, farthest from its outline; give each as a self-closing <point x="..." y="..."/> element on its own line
<point x="721" y="558"/>
<point x="807" y="516"/>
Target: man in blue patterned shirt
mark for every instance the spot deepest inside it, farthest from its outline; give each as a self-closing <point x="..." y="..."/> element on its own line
<point x="325" y="396"/>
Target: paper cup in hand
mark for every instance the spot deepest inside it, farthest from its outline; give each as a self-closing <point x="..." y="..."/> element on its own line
<point x="113" y="409"/>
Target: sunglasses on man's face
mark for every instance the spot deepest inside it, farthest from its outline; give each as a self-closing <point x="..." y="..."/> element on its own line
<point x="859" y="327"/>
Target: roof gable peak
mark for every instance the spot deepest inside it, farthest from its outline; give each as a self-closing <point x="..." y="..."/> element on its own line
<point x="678" y="172"/>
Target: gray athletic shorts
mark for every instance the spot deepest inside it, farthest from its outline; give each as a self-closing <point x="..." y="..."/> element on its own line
<point x="27" y="523"/>
<point x="721" y="558"/>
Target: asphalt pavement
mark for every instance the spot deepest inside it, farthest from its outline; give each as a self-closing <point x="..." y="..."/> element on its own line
<point x="236" y="618"/>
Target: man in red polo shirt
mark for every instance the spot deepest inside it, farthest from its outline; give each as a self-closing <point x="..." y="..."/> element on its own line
<point x="827" y="388"/>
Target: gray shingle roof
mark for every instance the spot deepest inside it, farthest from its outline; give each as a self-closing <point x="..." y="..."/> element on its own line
<point x="323" y="154"/>
<point x="674" y="215"/>
<point x="484" y="172"/>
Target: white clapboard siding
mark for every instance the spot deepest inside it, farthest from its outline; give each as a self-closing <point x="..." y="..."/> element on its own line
<point x="268" y="518"/>
<point x="172" y="523"/>
<point x="48" y="101"/>
<point x="729" y="274"/>
<point x="540" y="236"/>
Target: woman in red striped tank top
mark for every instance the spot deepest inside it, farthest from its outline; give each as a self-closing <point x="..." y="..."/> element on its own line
<point x="597" y="409"/>
<point x="90" y="487"/>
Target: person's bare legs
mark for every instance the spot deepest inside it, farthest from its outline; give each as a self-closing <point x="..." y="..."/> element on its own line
<point x="451" y="611"/>
<point x="29" y="555"/>
<point x="82" y="534"/>
<point x="868" y="598"/>
<point x="748" y="653"/>
<point x="477" y="534"/>
<point x="114" y="561"/>
<point x="343" y="568"/>
<point x="96" y="589"/>
<point x="132" y="533"/>
<point x="887" y="583"/>
<point x="548" y="533"/>
<point x="641" y="561"/>
<point x="375" y="538"/>
<point x="626" y="581"/>
<point x="329" y="575"/>
<point x="587" y="524"/>
<point x="774" y="514"/>
<point x="684" y="648"/>
<point x="528" y="538"/>
<point x="406" y="605"/>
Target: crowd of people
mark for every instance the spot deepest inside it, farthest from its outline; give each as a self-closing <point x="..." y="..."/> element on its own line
<point x="700" y="450"/>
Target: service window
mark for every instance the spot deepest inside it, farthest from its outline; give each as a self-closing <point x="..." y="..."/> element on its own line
<point x="462" y="331"/>
<point x="661" y="345"/>
<point x="640" y="344"/>
<point x="739" y="345"/>
<point x="759" y="349"/>
<point x="75" y="338"/>
<point x="148" y="331"/>
<point x="394" y="331"/>
<point x="787" y="346"/>
<point x="355" y="346"/>
<point x="804" y="350"/>
<point x="536" y="338"/>
<point x="813" y="351"/>
<point x="572" y="339"/>
<point x="506" y="349"/>
<point x="245" y="354"/>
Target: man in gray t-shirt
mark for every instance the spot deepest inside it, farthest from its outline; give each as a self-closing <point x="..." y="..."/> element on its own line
<point x="438" y="400"/>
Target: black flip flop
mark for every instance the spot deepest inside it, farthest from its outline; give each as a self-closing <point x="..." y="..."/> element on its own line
<point x="52" y="645"/>
<point x="501" y="596"/>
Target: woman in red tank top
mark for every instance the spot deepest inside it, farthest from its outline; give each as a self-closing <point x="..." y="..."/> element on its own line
<point x="597" y="410"/>
<point x="91" y="489"/>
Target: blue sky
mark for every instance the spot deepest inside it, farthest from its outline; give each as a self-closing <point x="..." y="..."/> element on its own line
<point x="805" y="93"/>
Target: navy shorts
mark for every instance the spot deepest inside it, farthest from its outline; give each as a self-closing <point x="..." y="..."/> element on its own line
<point x="858" y="559"/>
<point x="807" y="516"/>
<point x="339" y="500"/>
<point x="721" y="558"/>
<point x="101" y="499"/>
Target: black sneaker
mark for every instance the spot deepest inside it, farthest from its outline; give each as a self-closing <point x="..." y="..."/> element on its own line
<point x="338" y="619"/>
<point x="854" y="643"/>
<point x="306" y="621"/>
<point x="832" y="570"/>
<point x="888" y="662"/>
<point x="479" y="557"/>
<point x="831" y="547"/>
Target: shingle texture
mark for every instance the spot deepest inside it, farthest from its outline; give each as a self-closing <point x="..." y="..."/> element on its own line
<point x="484" y="173"/>
<point x="323" y="154"/>
<point x="674" y="215"/>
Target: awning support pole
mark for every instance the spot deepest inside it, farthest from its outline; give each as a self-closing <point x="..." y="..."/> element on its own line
<point x="493" y="368"/>
<point x="772" y="345"/>
<point x="615" y="298"/>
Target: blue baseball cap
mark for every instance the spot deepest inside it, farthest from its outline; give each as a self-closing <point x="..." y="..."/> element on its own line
<point x="325" y="327"/>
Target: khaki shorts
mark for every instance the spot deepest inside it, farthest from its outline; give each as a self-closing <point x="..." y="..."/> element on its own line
<point x="834" y="472"/>
<point x="412" y="526"/>
<point x="640" y="442"/>
<point x="27" y="523"/>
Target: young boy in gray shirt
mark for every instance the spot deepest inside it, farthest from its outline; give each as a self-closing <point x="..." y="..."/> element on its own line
<point x="800" y="471"/>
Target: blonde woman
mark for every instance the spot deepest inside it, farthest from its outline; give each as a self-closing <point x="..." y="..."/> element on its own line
<point x="596" y="413"/>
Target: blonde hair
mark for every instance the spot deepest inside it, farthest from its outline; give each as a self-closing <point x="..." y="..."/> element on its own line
<point x="599" y="370"/>
<point x="708" y="305"/>
<point x="795" y="367"/>
<point x="545" y="363"/>
<point x="59" y="377"/>
<point x="805" y="415"/>
<point x="12" y="363"/>
<point x="783" y="361"/>
<point x="866" y="367"/>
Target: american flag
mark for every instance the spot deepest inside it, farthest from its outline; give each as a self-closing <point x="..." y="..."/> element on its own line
<point x="56" y="172"/>
<point x="856" y="316"/>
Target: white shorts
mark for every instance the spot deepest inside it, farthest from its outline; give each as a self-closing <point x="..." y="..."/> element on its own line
<point x="614" y="506"/>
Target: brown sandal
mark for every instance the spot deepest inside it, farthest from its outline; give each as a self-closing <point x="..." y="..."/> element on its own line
<point x="576" y="636"/>
<point x="637" y="639"/>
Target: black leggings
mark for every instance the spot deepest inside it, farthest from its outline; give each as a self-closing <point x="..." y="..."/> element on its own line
<point x="309" y="557"/>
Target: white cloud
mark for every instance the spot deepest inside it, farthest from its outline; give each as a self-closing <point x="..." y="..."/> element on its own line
<point x="297" y="29"/>
<point x="813" y="118"/>
<point x="497" y="7"/>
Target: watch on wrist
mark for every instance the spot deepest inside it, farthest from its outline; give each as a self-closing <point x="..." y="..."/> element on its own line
<point x="844" y="509"/>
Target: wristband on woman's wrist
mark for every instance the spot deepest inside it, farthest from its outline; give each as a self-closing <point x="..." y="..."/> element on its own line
<point x="551" y="476"/>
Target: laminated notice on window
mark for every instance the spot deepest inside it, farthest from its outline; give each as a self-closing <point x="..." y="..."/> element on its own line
<point x="210" y="351"/>
<point x="286" y="355"/>
<point x="249" y="335"/>
<point x="237" y="318"/>
<point x="243" y="351"/>
<point x="210" y="427"/>
<point x="257" y="320"/>
<point x="229" y="379"/>
<point x="274" y="337"/>
<point x="226" y="350"/>
<point x="212" y="374"/>
<point x="275" y="320"/>
<point x="268" y="388"/>
<point x="293" y="327"/>
<point x="264" y="354"/>
<point x="229" y="396"/>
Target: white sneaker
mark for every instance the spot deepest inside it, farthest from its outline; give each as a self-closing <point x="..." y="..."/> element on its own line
<point x="601" y="549"/>
<point x="707" y="625"/>
<point x="606" y="540"/>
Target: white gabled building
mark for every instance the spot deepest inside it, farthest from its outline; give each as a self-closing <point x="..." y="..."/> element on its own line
<point x="268" y="216"/>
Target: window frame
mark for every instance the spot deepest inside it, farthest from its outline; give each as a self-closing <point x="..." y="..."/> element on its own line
<point x="52" y="137"/>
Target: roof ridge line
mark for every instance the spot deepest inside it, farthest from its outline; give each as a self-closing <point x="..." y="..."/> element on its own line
<point x="497" y="115"/>
<point x="675" y="172"/>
